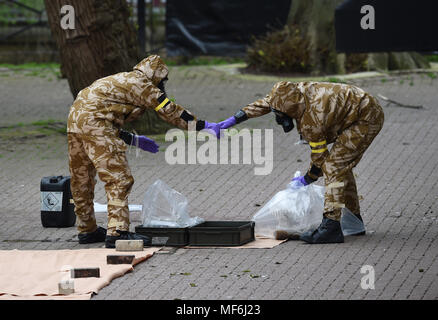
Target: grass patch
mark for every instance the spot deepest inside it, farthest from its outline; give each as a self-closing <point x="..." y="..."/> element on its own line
<point x="35" y="129"/>
<point x="432" y="75"/>
<point x="34" y="69"/>
<point x="30" y="66"/>
<point x="33" y="73"/>
<point x="44" y="122"/>
<point x="201" y="61"/>
<point x="334" y="80"/>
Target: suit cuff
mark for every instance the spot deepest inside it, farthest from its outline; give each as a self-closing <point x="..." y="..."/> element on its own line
<point x="240" y="116"/>
<point x="126" y="136"/>
<point x="313" y="174"/>
<point x="200" y="124"/>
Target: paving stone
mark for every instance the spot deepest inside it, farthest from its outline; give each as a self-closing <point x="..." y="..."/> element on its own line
<point x="396" y="178"/>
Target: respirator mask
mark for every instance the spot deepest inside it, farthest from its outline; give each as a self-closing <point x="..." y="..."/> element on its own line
<point x="284" y="120"/>
<point x="162" y="85"/>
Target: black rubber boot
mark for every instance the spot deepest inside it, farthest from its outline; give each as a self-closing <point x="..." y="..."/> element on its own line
<point x="110" y="241"/>
<point x="329" y="231"/>
<point x="92" y="237"/>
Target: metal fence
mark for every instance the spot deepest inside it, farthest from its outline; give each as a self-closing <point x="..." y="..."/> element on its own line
<point x="25" y="34"/>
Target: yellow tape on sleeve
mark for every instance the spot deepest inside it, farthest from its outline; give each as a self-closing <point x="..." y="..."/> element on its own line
<point x="319" y="150"/>
<point x="162" y="104"/>
<point x="317" y="144"/>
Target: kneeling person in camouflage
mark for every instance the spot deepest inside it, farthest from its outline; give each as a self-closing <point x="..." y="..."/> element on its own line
<point x="97" y="144"/>
<point x="325" y="113"/>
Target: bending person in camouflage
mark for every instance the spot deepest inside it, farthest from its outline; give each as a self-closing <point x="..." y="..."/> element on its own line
<point x="97" y="144"/>
<point x="325" y="113"/>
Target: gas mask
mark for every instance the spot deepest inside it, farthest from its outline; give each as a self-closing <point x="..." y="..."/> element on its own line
<point x="284" y="120"/>
<point x="162" y="85"/>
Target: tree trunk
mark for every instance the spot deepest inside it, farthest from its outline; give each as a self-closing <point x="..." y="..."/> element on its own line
<point x="103" y="43"/>
<point x="315" y="19"/>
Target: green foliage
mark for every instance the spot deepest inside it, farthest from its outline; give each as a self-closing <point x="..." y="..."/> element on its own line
<point x="356" y="62"/>
<point x="12" y="14"/>
<point x="432" y="58"/>
<point x="282" y="50"/>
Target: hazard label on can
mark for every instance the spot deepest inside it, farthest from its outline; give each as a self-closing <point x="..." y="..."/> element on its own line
<point x="51" y="201"/>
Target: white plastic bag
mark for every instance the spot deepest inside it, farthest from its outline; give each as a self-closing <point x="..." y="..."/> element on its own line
<point x="167" y="208"/>
<point x="350" y="224"/>
<point x="293" y="211"/>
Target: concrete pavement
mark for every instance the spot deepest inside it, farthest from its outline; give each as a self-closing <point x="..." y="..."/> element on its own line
<point x="396" y="181"/>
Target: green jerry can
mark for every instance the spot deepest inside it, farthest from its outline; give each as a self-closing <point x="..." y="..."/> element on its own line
<point x="57" y="206"/>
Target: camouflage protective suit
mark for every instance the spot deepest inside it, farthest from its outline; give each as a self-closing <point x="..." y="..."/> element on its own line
<point x="327" y="113"/>
<point x="93" y="127"/>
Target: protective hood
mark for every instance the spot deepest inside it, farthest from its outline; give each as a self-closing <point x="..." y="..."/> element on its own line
<point x="154" y="69"/>
<point x="289" y="99"/>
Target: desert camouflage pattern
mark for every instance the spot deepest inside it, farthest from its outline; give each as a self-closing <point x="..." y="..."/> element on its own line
<point x="104" y="106"/>
<point x="326" y="113"/>
<point x="94" y="122"/>
<point x="105" y="156"/>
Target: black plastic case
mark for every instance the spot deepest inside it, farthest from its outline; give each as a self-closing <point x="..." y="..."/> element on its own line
<point x="222" y="233"/>
<point x="177" y="236"/>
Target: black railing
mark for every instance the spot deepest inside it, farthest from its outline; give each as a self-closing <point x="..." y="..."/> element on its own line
<point x="40" y="22"/>
<point x="27" y="27"/>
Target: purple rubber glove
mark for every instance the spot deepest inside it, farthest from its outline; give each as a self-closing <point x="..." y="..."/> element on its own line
<point x="231" y="121"/>
<point x="146" y="144"/>
<point x="301" y="180"/>
<point x="215" y="127"/>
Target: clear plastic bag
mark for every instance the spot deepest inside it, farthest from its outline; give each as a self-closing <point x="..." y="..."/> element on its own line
<point x="291" y="211"/>
<point x="164" y="207"/>
<point x="351" y="224"/>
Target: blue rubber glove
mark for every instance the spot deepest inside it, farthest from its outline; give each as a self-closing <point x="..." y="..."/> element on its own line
<point x="231" y="121"/>
<point x="145" y="144"/>
<point x="301" y="180"/>
<point x="215" y="127"/>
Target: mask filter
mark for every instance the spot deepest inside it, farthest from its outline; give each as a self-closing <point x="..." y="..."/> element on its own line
<point x="283" y="120"/>
<point x="162" y="85"/>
